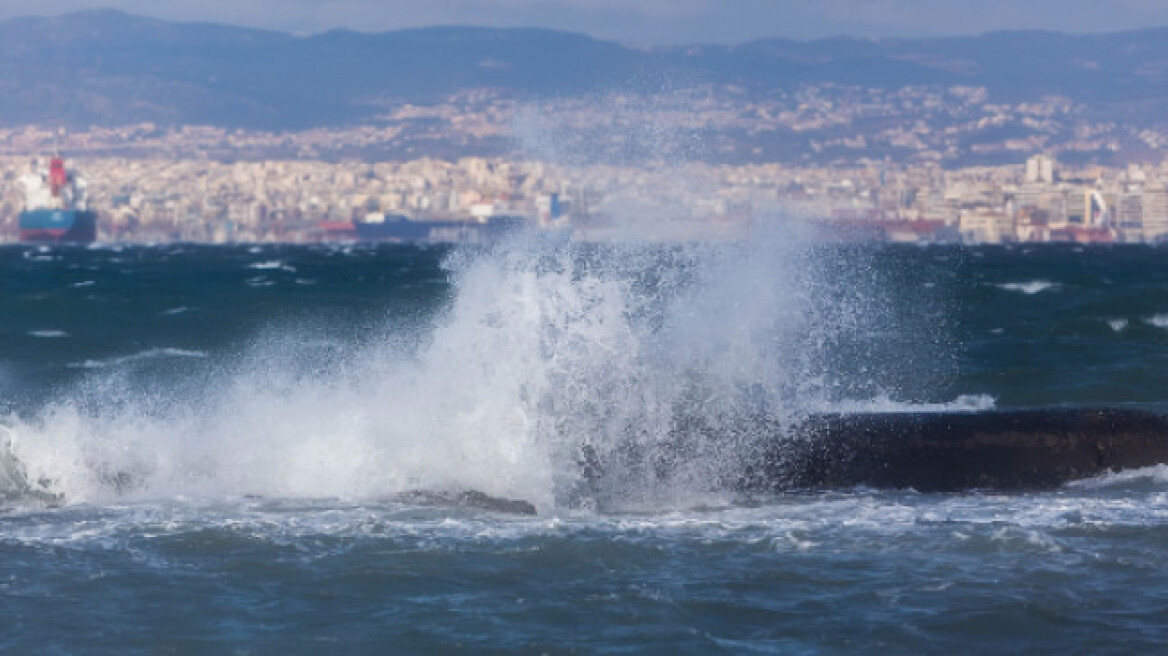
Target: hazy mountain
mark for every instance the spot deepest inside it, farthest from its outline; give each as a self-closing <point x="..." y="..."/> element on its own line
<point x="107" y="67"/>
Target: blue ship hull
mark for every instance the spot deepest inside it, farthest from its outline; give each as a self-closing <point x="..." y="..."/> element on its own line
<point x="403" y="230"/>
<point x="58" y="226"/>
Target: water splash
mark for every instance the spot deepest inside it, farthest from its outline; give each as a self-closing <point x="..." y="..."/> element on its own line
<point x="631" y="373"/>
<point x="552" y="364"/>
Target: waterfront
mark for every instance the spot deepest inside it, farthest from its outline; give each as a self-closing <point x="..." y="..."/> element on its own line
<point x="160" y="201"/>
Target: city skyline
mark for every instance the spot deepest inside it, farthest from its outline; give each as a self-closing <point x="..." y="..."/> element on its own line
<point x="654" y="22"/>
<point x="454" y="127"/>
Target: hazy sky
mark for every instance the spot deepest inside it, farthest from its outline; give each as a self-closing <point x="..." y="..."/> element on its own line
<point x="651" y="21"/>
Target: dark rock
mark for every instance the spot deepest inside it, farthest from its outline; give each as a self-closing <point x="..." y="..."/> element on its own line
<point x="1013" y="450"/>
<point x="468" y="499"/>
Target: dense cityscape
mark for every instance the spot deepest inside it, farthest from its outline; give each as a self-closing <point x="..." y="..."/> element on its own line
<point x="908" y="165"/>
<point x="156" y="200"/>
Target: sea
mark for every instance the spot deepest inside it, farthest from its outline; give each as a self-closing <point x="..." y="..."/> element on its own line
<point x="345" y="449"/>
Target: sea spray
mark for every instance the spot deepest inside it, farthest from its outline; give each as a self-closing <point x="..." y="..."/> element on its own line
<point x="600" y="375"/>
<point x="180" y="559"/>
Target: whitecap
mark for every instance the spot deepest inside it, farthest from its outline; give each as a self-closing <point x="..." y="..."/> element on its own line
<point x="48" y="334"/>
<point x="150" y="354"/>
<point x="1029" y="288"/>
<point x="271" y="265"/>
<point x="1158" y="320"/>
<point x="1118" y="325"/>
<point x="1156" y="475"/>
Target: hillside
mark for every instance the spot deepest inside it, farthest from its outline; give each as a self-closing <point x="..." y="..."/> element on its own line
<point x="105" y="67"/>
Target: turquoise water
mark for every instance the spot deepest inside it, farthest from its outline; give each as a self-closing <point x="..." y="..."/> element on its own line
<point x="213" y="450"/>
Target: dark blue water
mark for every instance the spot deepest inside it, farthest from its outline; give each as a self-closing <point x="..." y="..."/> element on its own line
<point x="213" y="450"/>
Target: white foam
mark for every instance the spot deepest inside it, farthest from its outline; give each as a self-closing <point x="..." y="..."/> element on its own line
<point x="48" y="334"/>
<point x="1117" y="325"/>
<point x="1029" y="288"/>
<point x="1030" y="524"/>
<point x="1158" y="320"/>
<point x="543" y="348"/>
<point x="885" y="404"/>
<point x="1157" y="475"/>
<point x="149" y="354"/>
<point x="271" y="265"/>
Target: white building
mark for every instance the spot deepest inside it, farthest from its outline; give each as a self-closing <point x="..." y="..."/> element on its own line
<point x="1040" y="169"/>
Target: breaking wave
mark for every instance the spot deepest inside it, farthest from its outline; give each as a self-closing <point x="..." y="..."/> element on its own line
<point x="1029" y="288"/>
<point x="658" y="361"/>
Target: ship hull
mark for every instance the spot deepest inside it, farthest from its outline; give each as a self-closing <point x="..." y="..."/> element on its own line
<point x="396" y="230"/>
<point x="58" y="226"/>
<point x="402" y="230"/>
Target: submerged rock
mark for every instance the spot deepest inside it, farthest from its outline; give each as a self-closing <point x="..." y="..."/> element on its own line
<point x="468" y="499"/>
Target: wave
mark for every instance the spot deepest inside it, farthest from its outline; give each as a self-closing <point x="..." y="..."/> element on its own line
<point x="1158" y="320"/>
<point x="48" y="334"/>
<point x="15" y="488"/>
<point x="661" y="360"/>
<point x="1029" y="288"/>
<point x="835" y="522"/>
<point x="885" y="404"/>
<point x="150" y="354"/>
<point x="1155" y="477"/>
<point x="271" y="265"/>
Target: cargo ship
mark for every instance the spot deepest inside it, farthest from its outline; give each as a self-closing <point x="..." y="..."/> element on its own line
<point x="56" y="207"/>
<point x="379" y="227"/>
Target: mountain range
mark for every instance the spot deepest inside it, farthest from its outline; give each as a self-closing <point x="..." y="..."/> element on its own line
<point x="105" y="67"/>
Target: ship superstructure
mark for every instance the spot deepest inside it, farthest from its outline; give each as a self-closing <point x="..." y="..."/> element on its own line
<point x="56" y="205"/>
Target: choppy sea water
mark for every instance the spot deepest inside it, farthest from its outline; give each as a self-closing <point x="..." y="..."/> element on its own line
<point x="214" y="449"/>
